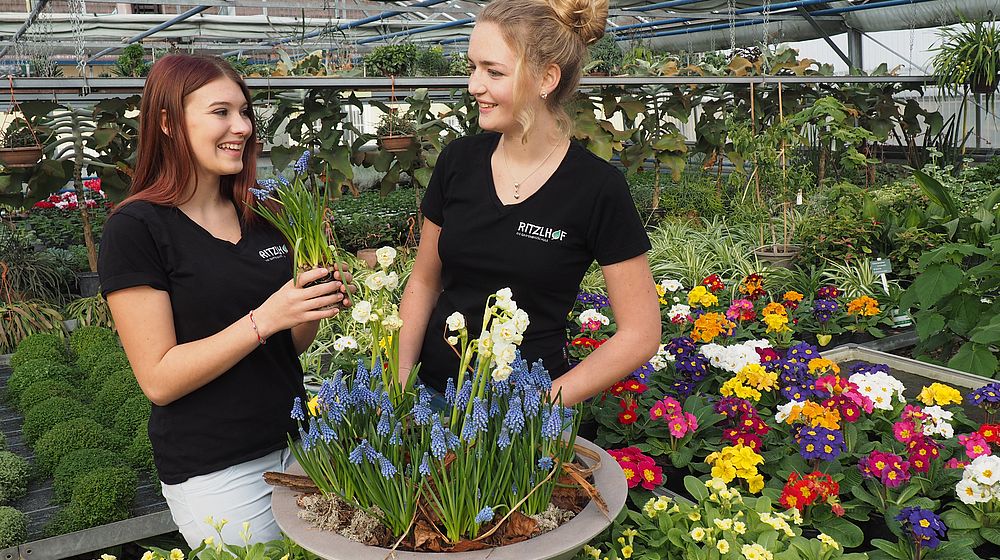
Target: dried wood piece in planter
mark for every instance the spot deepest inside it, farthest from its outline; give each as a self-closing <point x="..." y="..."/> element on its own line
<point x="297" y="483"/>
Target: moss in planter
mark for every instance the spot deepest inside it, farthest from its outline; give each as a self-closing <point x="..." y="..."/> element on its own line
<point x="13" y="477"/>
<point x="42" y="390"/>
<point x="140" y="453"/>
<point x="45" y="415"/>
<point x="118" y="388"/>
<point x="133" y="416"/>
<point x="35" y="370"/>
<point x="105" y="367"/>
<point x="39" y="346"/>
<point x="65" y="438"/>
<point x="102" y="496"/>
<point x="13" y="527"/>
<point x="76" y="465"/>
<point x="89" y="344"/>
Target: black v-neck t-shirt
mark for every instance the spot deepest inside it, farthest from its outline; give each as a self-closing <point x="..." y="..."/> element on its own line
<point x="540" y="247"/>
<point x="244" y="413"/>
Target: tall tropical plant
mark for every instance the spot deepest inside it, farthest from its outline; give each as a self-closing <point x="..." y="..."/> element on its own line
<point x="968" y="58"/>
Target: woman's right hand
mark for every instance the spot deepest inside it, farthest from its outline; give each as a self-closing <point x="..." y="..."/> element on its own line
<point x="292" y="304"/>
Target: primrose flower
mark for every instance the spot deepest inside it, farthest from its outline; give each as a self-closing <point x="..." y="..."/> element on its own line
<point x="924" y="526"/>
<point x="864" y="306"/>
<point x="591" y="319"/>
<point x="939" y="394"/>
<point x="986" y="396"/>
<point x="699" y="296"/>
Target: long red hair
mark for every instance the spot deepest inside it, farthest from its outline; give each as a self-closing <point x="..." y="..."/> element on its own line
<point x="165" y="164"/>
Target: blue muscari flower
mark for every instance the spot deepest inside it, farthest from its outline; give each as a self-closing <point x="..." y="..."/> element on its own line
<point x="532" y="403"/>
<point x="453" y="441"/>
<point x="423" y="395"/>
<point x="326" y="394"/>
<point x="439" y="445"/>
<point x="336" y="411"/>
<point x="468" y="429"/>
<point x="361" y="375"/>
<point x="303" y="162"/>
<point x="485" y="515"/>
<point x="513" y="488"/>
<point x="568" y="414"/>
<point x="500" y="387"/>
<point x="449" y="391"/>
<point x="373" y="397"/>
<point x="425" y="465"/>
<point x="327" y="432"/>
<point x="519" y="374"/>
<point x="541" y="376"/>
<point x="421" y="414"/>
<point x="371" y="454"/>
<point x="304" y="438"/>
<point x="297" y="413"/>
<point x="503" y="440"/>
<point x="283" y="180"/>
<point x="494" y="406"/>
<point x="360" y="394"/>
<point x="480" y="419"/>
<point x="358" y="453"/>
<point x="552" y="425"/>
<point x="386" y="403"/>
<point x="386" y="466"/>
<point x="396" y="438"/>
<point x="514" y="419"/>
<point x="384" y="424"/>
<point x="545" y="463"/>
<point x="464" y="394"/>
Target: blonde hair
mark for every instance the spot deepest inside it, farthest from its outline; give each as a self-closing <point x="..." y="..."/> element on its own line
<point x="543" y="32"/>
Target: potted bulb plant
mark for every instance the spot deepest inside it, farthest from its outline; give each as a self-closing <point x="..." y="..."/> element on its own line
<point x="396" y="132"/>
<point x="969" y="57"/>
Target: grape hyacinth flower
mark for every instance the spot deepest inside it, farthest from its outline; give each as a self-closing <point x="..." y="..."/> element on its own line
<point x="425" y="465"/>
<point x="545" y="463"/>
<point x="485" y="515"/>
<point x="297" y="412"/>
<point x="386" y="467"/>
<point x="303" y="162"/>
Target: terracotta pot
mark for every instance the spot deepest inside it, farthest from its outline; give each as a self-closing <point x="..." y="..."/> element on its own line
<point x="21" y="157"/>
<point x="395" y="143"/>
<point x="559" y="544"/>
<point x="368" y="256"/>
<point x="781" y="256"/>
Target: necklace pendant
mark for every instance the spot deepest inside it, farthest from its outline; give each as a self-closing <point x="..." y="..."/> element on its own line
<point x="517" y="193"/>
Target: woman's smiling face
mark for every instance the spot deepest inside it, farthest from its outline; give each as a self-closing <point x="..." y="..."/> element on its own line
<point x="218" y="127"/>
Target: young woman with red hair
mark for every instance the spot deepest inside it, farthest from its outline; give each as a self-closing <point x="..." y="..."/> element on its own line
<point x="197" y="284"/>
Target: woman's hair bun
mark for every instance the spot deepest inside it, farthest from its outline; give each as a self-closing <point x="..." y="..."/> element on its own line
<point x="587" y="18"/>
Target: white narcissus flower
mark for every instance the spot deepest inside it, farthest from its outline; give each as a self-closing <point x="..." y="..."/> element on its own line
<point x="671" y="285"/>
<point x="504" y="300"/>
<point x="502" y="372"/>
<point x="506" y="332"/>
<point x="391" y="281"/>
<point x="375" y="281"/>
<point x="385" y="256"/>
<point x="392" y="322"/>
<point x="504" y="352"/>
<point x="453" y="340"/>
<point x="455" y="321"/>
<point x="345" y="343"/>
<point x="484" y="345"/>
<point x="362" y="311"/>
<point x="521" y="320"/>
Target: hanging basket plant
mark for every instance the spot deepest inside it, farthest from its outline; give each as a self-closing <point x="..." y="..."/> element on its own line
<point x="19" y="145"/>
<point x="969" y="56"/>
<point x="396" y="132"/>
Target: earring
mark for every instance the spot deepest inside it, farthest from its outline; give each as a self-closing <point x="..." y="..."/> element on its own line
<point x="545" y="95"/>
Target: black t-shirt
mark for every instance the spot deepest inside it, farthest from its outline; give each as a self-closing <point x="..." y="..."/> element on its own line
<point x="540" y="248"/>
<point x="244" y="413"/>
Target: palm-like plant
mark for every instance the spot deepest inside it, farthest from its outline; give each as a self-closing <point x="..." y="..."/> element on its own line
<point x="969" y="58"/>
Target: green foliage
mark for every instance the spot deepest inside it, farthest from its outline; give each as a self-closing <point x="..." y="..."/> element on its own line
<point x="140" y="453"/>
<point x="44" y="389"/>
<point x="57" y="228"/>
<point x="118" y="388"/>
<point x="36" y="370"/>
<point x="908" y="246"/>
<point x="394" y="123"/>
<point x="605" y="55"/>
<point x="130" y="63"/>
<point x="458" y="65"/>
<point x="13" y="527"/>
<point x="694" y="196"/>
<point x="44" y="415"/>
<point x="831" y="237"/>
<point x="102" y="496"/>
<point x="40" y="346"/>
<point x="29" y="274"/>
<point x="90" y="311"/>
<point x="13" y="477"/>
<point x="988" y="172"/>
<point x="22" y="319"/>
<point x="77" y="464"/>
<point x="105" y="367"/>
<point x="391" y="60"/>
<point x="18" y="136"/>
<point x="132" y="418"/>
<point x="430" y="61"/>
<point x="968" y="56"/>
<point x="66" y="437"/>
<point x="371" y="220"/>
<point x="90" y="343"/>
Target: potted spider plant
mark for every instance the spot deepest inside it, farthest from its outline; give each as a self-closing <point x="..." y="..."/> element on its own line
<point x="969" y="57"/>
<point x="20" y="148"/>
<point x="396" y="132"/>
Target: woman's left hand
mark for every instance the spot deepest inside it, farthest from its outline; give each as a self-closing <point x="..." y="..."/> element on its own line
<point x="341" y="274"/>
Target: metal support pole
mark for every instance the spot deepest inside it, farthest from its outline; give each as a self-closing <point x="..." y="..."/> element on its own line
<point x="979" y="120"/>
<point x="855" y="48"/>
<point x="192" y="12"/>
<point x="826" y="37"/>
<point x="27" y="23"/>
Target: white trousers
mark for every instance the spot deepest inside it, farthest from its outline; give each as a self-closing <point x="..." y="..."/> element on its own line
<point x="236" y="494"/>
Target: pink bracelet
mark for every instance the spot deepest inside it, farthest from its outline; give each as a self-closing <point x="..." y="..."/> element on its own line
<point x="253" y="324"/>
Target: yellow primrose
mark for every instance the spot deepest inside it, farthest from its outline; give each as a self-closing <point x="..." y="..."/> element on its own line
<point x="700" y="296"/>
<point x="828" y="541"/>
<point x="698" y="534"/>
<point x="939" y="394"/>
<point x="722" y="546"/>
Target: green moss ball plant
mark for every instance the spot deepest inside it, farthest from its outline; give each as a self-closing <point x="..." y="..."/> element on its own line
<point x="132" y="417"/>
<point x="13" y="527"/>
<point x="104" y="367"/>
<point x="42" y="390"/>
<point x="140" y="453"/>
<point x="44" y="415"/>
<point x="75" y="465"/>
<point x="67" y="437"/>
<point x="40" y="345"/>
<point x="13" y="477"/>
<point x="102" y="496"/>
<point x="90" y="344"/>
<point x="116" y="391"/>
<point x="36" y="370"/>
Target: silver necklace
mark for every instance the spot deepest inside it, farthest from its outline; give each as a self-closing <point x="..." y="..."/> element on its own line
<point x="506" y="163"/>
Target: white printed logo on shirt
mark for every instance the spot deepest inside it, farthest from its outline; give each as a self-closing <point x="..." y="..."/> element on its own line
<point x="275" y="252"/>
<point x="539" y="233"/>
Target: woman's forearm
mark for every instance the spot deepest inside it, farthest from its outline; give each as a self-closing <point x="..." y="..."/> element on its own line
<point x="622" y="354"/>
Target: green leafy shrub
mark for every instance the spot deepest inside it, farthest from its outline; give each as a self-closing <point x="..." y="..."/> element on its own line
<point x="133" y="416"/>
<point x="62" y="229"/>
<point x="431" y="61"/>
<point x="104" y="367"/>
<point x="370" y="220"/>
<point x="39" y="369"/>
<point x="40" y="346"/>
<point x="13" y="477"/>
<point x="44" y="415"/>
<point x="696" y="195"/>
<point x="44" y="389"/>
<point x="829" y="236"/>
<point x="605" y="55"/>
<point x="989" y="172"/>
<point x="140" y="453"/>
<point x="74" y="466"/>
<point x="118" y="388"/>
<point x="89" y="344"/>
<point x="908" y="245"/>
<point x="100" y="497"/>
<point x="65" y="438"/>
<point x="391" y="60"/>
<point x="13" y="527"/>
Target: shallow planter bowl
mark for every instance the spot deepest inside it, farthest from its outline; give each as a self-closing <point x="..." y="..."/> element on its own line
<point x="779" y="255"/>
<point x="21" y="157"/>
<point x="399" y="143"/>
<point x="559" y="544"/>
